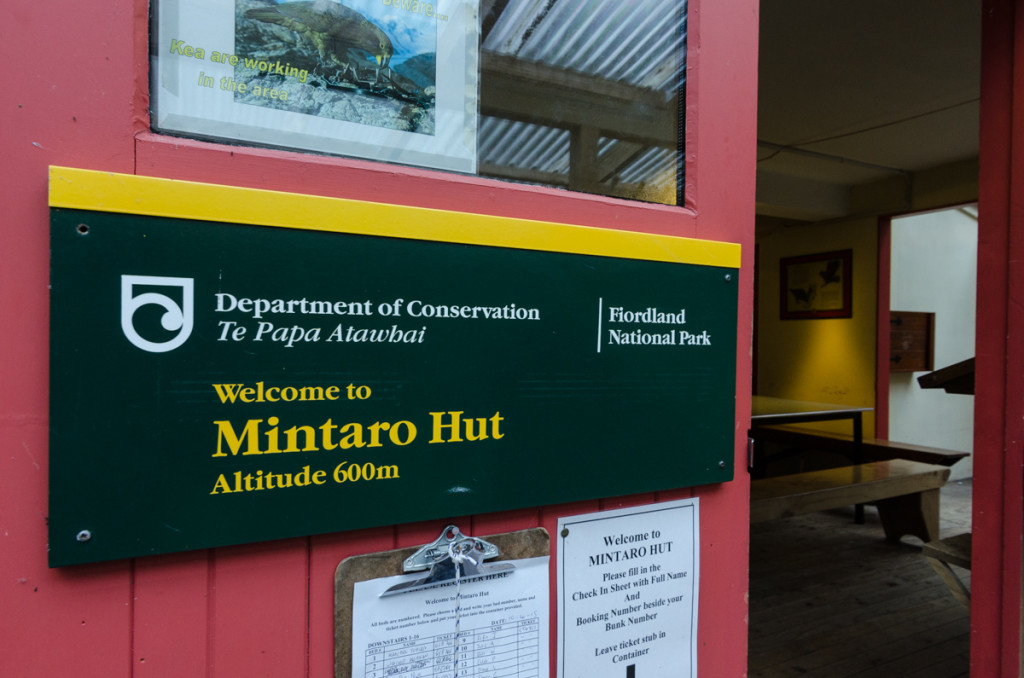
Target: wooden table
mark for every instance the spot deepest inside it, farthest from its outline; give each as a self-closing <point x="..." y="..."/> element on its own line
<point x="765" y="411"/>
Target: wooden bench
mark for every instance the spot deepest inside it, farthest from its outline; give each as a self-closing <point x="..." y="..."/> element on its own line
<point x="943" y="553"/>
<point x="905" y="492"/>
<point x="872" y="449"/>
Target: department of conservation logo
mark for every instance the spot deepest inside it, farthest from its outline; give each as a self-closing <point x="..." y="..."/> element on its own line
<point x="142" y="298"/>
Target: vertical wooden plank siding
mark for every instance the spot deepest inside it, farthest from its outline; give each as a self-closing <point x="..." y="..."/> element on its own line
<point x="267" y="609"/>
<point x="721" y="141"/>
<point x="260" y="614"/>
<point x="172" y="610"/>
<point x="325" y="554"/>
<point x="68" y="98"/>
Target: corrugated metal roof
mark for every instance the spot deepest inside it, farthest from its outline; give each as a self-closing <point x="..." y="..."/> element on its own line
<point x="641" y="44"/>
<point x="613" y="40"/>
<point x="510" y="143"/>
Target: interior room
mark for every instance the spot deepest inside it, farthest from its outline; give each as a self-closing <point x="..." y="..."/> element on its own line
<point x="868" y="120"/>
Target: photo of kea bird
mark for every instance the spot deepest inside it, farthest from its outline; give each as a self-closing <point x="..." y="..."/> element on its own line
<point x="334" y="29"/>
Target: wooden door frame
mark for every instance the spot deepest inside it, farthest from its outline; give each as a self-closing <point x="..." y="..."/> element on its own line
<point x="999" y="386"/>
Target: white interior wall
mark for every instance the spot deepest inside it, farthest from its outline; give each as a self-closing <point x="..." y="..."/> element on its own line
<point x="934" y="269"/>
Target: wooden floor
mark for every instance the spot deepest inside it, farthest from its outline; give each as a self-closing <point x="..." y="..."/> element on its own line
<point x="833" y="599"/>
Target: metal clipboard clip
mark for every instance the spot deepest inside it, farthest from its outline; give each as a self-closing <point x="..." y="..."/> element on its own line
<point x="441" y="556"/>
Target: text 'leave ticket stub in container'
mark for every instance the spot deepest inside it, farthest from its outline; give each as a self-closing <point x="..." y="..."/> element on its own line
<point x="627" y="591"/>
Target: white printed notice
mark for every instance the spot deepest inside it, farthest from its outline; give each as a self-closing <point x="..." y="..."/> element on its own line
<point x="627" y="598"/>
<point x="502" y="627"/>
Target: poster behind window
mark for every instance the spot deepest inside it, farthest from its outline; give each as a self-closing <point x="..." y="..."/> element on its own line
<point x="390" y="80"/>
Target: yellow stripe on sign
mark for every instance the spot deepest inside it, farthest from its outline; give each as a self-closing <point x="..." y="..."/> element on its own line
<point x="150" y="196"/>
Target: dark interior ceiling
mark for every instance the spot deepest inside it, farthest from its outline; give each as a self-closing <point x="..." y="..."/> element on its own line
<point x="862" y="106"/>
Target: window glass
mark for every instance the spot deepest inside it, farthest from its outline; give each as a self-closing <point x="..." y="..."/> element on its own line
<point x="584" y="94"/>
<point x="577" y="94"/>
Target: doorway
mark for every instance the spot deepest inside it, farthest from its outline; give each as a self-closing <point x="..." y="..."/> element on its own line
<point x="932" y="302"/>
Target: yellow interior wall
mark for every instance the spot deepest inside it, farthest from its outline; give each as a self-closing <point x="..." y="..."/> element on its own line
<point x="829" y="360"/>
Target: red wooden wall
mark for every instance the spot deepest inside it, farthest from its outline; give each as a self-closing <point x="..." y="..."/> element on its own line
<point x="77" y="95"/>
<point x="999" y="379"/>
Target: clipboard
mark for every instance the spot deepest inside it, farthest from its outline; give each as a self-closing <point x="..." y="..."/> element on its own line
<point x="518" y="545"/>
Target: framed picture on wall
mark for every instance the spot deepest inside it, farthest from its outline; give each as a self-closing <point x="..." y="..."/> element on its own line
<point x="816" y="285"/>
<point x="379" y="79"/>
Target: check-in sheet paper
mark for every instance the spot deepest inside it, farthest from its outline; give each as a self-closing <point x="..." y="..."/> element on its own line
<point x="502" y="627"/>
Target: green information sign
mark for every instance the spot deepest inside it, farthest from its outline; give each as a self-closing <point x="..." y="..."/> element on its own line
<point x="218" y="383"/>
